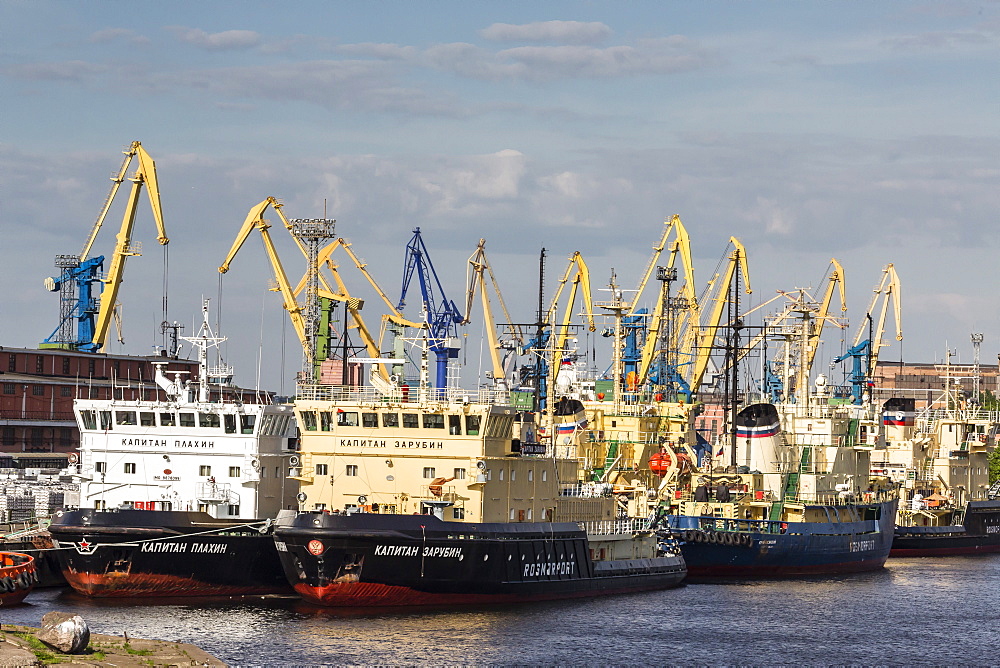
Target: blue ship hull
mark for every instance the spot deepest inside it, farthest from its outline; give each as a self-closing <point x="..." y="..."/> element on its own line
<point x="720" y="548"/>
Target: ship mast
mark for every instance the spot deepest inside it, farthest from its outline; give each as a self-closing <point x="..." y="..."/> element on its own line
<point x="204" y="340"/>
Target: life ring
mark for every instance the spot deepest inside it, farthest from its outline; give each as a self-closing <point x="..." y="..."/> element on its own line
<point x="72" y="458"/>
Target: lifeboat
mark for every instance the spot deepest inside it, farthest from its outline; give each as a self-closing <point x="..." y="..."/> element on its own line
<point x="660" y="463"/>
<point x="18" y="577"/>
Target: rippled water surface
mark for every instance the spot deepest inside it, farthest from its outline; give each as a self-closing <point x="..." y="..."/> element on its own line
<point x="914" y="612"/>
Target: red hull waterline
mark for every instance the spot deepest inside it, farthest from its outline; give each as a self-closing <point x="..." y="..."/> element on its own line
<point x="133" y="585"/>
<point x="777" y="572"/>
<point x="372" y="594"/>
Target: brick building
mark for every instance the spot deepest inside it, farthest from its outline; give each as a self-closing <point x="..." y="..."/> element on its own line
<point x="37" y="388"/>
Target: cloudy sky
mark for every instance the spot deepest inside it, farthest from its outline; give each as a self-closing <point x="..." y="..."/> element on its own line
<point x="869" y="132"/>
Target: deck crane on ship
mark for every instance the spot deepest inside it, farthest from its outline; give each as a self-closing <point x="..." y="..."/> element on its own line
<point x="80" y="273"/>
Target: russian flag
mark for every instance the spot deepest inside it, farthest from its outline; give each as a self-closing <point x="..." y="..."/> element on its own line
<point x="898" y="419"/>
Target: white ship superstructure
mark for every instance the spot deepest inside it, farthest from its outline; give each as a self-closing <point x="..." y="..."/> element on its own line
<point x="199" y="450"/>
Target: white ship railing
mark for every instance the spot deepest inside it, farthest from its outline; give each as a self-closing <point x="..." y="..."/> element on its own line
<point x="615" y="527"/>
<point x="412" y="395"/>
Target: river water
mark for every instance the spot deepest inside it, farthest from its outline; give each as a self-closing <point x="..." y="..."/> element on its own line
<point x="932" y="611"/>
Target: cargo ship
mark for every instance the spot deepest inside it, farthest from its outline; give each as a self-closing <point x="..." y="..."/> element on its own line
<point x="411" y="499"/>
<point x="793" y="504"/>
<point x="176" y="495"/>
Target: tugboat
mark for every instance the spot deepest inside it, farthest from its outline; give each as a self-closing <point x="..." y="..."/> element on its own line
<point x="17" y="577"/>
<point x="412" y="499"/>
<point x="172" y="491"/>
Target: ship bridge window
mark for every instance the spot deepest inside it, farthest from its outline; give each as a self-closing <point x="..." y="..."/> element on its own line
<point x="369" y="420"/>
<point x="125" y="417"/>
<point x="499" y="426"/>
<point x="351" y="470"/>
<point x="204" y="469"/>
<point x="247" y="423"/>
<point x="472" y="425"/>
<point x="105" y="420"/>
<point x="322" y="469"/>
<point x="347" y="418"/>
<point x="410" y="421"/>
<point x="147" y="419"/>
<point x="168" y="420"/>
<point x="429" y="472"/>
<point x="454" y="424"/>
<point x="89" y="419"/>
<point x="235" y="472"/>
<point x="390" y="419"/>
<point x="433" y="421"/>
<point x="325" y="420"/>
<point x="267" y="425"/>
<point x="129" y="467"/>
<point x="309" y="420"/>
<point x="210" y="420"/>
<point x="459" y="474"/>
<point x="230" y="422"/>
<point x="186" y="419"/>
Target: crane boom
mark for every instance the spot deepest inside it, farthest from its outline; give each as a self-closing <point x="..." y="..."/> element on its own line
<point x="255" y="221"/>
<point x="707" y="332"/>
<point x="145" y="175"/>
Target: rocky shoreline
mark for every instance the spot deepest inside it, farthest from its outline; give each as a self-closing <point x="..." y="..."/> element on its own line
<point x="20" y="646"/>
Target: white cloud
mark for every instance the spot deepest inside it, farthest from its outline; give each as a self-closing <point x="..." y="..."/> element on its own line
<point x="566" y="32"/>
<point x="112" y="34"/>
<point x="667" y="55"/>
<point x="70" y="70"/>
<point x="382" y="51"/>
<point x="220" y="41"/>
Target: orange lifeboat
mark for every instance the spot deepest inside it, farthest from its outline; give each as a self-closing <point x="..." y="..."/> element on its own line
<point x="660" y="462"/>
<point x="18" y="577"/>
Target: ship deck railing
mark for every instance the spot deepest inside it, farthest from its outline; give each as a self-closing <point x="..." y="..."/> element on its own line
<point x="624" y="526"/>
<point x="412" y="395"/>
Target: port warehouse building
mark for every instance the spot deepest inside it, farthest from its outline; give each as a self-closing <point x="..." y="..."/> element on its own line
<point x="37" y="388"/>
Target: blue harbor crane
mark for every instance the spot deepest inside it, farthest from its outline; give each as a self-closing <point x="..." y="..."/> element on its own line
<point x="439" y="312"/>
<point x="91" y="310"/>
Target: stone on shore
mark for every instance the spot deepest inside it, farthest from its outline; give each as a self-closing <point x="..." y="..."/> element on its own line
<point x="65" y="632"/>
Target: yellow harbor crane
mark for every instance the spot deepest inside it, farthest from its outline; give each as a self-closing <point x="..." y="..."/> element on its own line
<point x="81" y="271"/>
<point x="476" y="272"/>
<point x="718" y="296"/>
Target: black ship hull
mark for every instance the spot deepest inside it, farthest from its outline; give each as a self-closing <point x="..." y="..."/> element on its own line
<point x="979" y="533"/>
<point x="367" y="560"/>
<point x="140" y="553"/>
